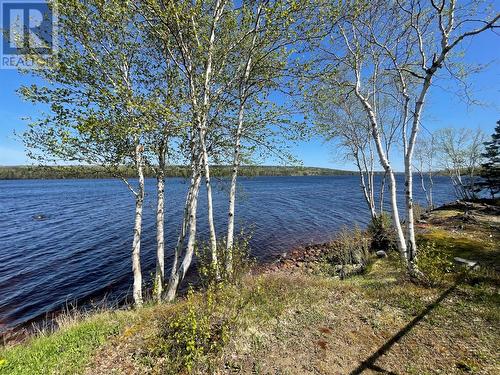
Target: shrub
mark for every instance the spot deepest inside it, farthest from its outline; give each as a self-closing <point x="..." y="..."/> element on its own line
<point x="242" y="261"/>
<point x="382" y="233"/>
<point x="192" y="337"/>
<point x="349" y="254"/>
<point x="418" y="211"/>
<point x="433" y="262"/>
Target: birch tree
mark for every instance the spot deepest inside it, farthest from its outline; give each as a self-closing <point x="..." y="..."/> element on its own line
<point x="436" y="29"/>
<point x="460" y="155"/>
<point x="425" y="165"/>
<point x="194" y="29"/>
<point x="242" y="95"/>
<point x="266" y="29"/>
<point x="340" y="120"/>
<point x="355" y="66"/>
<point x="402" y="45"/>
<point x="100" y="105"/>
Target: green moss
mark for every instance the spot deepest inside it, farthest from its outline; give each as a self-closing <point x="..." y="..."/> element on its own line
<point x="476" y="246"/>
<point x="443" y="214"/>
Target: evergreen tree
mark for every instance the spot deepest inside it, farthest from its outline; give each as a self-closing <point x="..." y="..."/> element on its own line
<point x="491" y="168"/>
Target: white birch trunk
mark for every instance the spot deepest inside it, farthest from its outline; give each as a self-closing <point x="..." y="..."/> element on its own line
<point x="367" y="195"/>
<point x="424" y="189"/>
<point x="202" y="123"/>
<point x="187" y="221"/>
<point x="136" y="244"/>
<point x="410" y="237"/>
<point x="210" y="210"/>
<point x="431" y="187"/>
<point x="366" y="191"/>
<point x="179" y="272"/>
<point x="411" y="241"/>
<point x="382" y="191"/>
<point x="188" y="256"/>
<point x="232" y="198"/>
<point x="160" y="236"/>
<point x="400" y="238"/>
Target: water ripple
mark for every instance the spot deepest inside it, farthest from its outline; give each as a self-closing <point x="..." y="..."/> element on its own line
<point x="81" y="248"/>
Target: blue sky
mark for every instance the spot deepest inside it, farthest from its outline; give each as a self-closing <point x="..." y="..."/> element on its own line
<point x="443" y="109"/>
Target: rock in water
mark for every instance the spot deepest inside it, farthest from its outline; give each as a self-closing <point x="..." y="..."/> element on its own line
<point x="381" y="254"/>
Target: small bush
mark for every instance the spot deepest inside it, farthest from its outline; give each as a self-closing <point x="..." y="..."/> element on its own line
<point x="382" y="233"/>
<point x="418" y="211"/>
<point x="350" y="253"/>
<point x="242" y="261"/>
<point x="193" y="337"/>
<point x="433" y="262"/>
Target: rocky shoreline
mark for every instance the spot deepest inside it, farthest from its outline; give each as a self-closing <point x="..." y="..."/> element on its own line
<point x="312" y="259"/>
<point x="302" y="258"/>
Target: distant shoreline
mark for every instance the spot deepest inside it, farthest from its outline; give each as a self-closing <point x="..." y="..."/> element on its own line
<point x="97" y="172"/>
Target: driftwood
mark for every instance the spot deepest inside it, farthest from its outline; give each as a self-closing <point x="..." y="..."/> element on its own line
<point x="466" y="263"/>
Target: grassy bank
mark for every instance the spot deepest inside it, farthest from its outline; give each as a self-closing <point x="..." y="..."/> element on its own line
<point x="296" y="320"/>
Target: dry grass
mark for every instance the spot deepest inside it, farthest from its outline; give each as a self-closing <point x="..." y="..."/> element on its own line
<point x="349" y="321"/>
<point x="306" y="324"/>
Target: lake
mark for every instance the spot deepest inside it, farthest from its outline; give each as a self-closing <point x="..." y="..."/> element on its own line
<point x="81" y="248"/>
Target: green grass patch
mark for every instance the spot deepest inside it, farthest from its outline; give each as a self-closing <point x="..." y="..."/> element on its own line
<point x="66" y="351"/>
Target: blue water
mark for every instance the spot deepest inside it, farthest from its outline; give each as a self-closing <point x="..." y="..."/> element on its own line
<point x="81" y="249"/>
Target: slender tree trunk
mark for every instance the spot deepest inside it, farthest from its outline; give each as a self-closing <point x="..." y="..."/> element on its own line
<point x="371" y="182"/>
<point x="367" y="195"/>
<point x="180" y="272"/>
<point x="182" y="236"/>
<point x="411" y="241"/>
<point x="188" y="256"/>
<point x="400" y="239"/>
<point x="188" y="221"/>
<point x="160" y="236"/>
<point x="382" y="191"/>
<point x="136" y="244"/>
<point x="424" y="189"/>
<point x="232" y="192"/>
<point x="236" y="151"/>
<point x="202" y="130"/>
<point x="210" y="210"/>
<point x="366" y="191"/>
<point x="431" y="187"/>
<point x="230" y="223"/>
<point x="384" y="161"/>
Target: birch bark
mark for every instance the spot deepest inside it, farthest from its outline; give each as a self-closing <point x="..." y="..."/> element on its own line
<point x="136" y="243"/>
<point x="384" y="161"/>
<point x="160" y="223"/>
<point x="179" y="272"/>
<point x="202" y="130"/>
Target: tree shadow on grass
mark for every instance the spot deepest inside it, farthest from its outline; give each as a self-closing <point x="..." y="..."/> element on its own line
<point x="369" y="363"/>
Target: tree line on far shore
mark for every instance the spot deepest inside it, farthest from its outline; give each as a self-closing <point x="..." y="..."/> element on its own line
<point x="149" y="84"/>
<point x="76" y="172"/>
